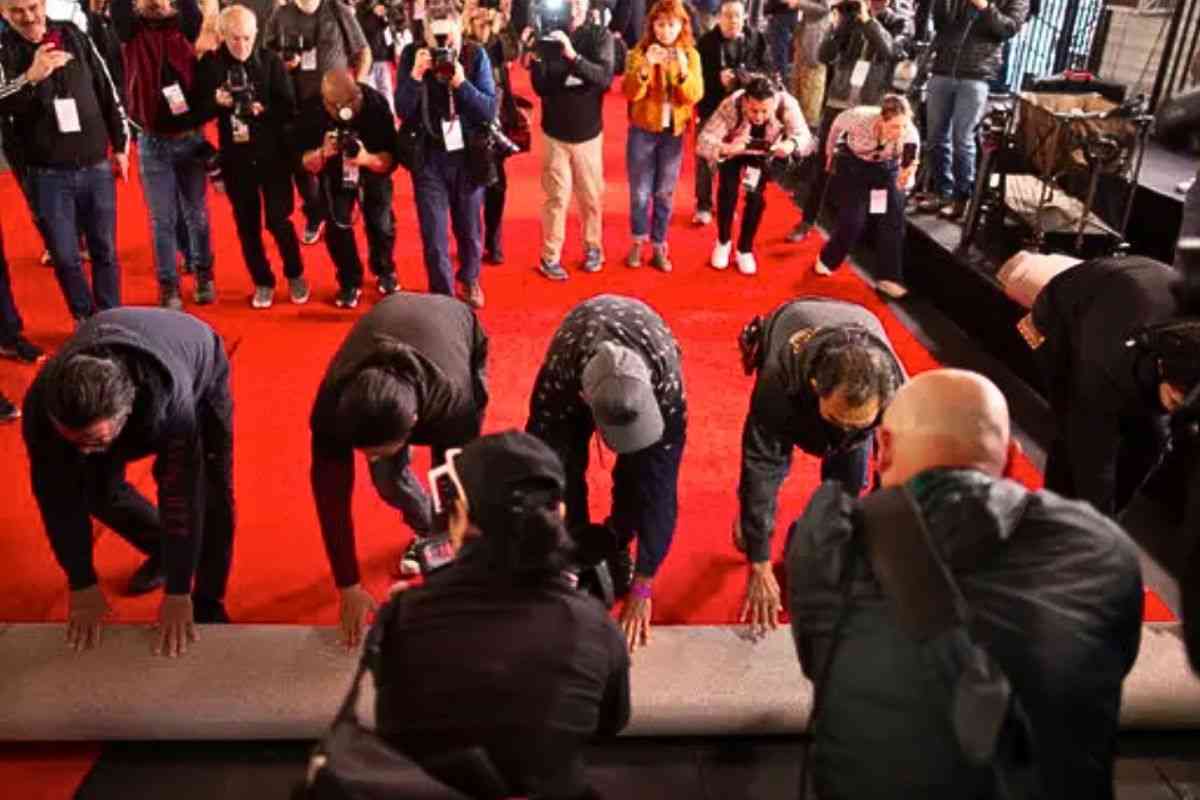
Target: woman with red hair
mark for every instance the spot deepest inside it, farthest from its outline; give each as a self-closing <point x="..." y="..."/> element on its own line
<point x="663" y="82"/>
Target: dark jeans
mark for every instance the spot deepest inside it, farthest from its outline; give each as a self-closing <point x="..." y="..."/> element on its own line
<point x="704" y="179"/>
<point x="22" y="176"/>
<point x="645" y="501"/>
<point x="11" y="324"/>
<point x="174" y="183"/>
<point x="394" y="480"/>
<point x="308" y="186"/>
<point x="816" y="177"/>
<point x="375" y="196"/>
<point x="729" y="184"/>
<point x="854" y="181"/>
<point x="255" y="193"/>
<point x="848" y="467"/>
<point x="780" y="28"/>
<point x="493" y="210"/>
<point x="67" y="200"/>
<point x="444" y="188"/>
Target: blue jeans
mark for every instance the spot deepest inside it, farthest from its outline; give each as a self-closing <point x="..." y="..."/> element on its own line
<point x="174" y="183"/>
<point x="653" y="161"/>
<point x="848" y="467"/>
<point x="954" y="107"/>
<point x="444" y="188"/>
<point x="779" y="39"/>
<point x="394" y="480"/>
<point x="68" y="199"/>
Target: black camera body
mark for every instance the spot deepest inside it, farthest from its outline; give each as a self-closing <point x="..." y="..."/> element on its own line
<point x="348" y="142"/>
<point x="237" y="83"/>
<point x="492" y="5"/>
<point x="442" y="59"/>
<point x="292" y="44"/>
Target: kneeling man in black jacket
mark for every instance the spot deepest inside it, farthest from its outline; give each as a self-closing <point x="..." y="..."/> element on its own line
<point x="131" y="383"/>
<point x="411" y="371"/>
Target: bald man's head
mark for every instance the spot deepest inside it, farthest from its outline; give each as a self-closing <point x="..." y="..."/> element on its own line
<point x="944" y="418"/>
<point x="340" y="91"/>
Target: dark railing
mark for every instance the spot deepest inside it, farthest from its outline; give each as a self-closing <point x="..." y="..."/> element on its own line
<point x="1174" y="73"/>
<point x="1058" y="38"/>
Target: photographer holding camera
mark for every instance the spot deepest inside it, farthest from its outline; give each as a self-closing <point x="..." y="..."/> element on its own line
<point x="494" y="32"/>
<point x="663" y="82"/>
<point x="572" y="67"/>
<point x="248" y="91"/>
<point x="729" y="54"/>
<point x="347" y="138"/>
<point x="872" y="153"/>
<point x="446" y="93"/>
<point x="752" y="127"/>
<point x="499" y="656"/>
<point x="374" y="17"/>
<point x="863" y="42"/>
<point x="313" y="37"/>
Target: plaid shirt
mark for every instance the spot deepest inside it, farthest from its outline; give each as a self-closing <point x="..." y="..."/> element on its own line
<point x="857" y="125"/>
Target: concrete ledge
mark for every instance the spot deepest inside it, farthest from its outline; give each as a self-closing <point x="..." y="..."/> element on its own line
<point x="285" y="681"/>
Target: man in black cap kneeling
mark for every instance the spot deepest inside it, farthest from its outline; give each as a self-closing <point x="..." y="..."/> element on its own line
<point x="411" y="371"/>
<point x="614" y="366"/>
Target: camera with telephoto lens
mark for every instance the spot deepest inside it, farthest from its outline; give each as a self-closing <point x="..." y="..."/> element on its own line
<point x="442" y="59"/>
<point x="550" y="16"/>
<point x="347" y="141"/>
<point x="292" y="44"/>
<point x="237" y="83"/>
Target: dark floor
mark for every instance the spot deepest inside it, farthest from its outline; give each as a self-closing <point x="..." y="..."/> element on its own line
<point x="1151" y="767"/>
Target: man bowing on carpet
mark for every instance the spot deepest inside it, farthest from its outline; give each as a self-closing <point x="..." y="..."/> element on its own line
<point x="411" y="371"/>
<point x="131" y="383"/>
<point x="614" y="366"/>
<point x="825" y="373"/>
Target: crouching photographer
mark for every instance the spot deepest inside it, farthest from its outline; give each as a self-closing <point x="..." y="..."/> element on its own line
<point x="249" y="92"/>
<point x="348" y="139"/>
<point x="499" y="658"/>
<point x="751" y="128"/>
<point x="872" y="153"/>
<point x="730" y="54"/>
<point x="447" y="99"/>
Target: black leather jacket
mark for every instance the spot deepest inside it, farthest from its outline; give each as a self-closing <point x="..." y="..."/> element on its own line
<point x="969" y="41"/>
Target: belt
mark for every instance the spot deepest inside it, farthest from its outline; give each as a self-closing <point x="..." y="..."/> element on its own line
<point x="178" y="135"/>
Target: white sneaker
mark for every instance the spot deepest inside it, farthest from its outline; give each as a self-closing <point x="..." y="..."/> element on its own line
<point x="821" y="269"/>
<point x="891" y="289"/>
<point x="720" y="255"/>
<point x="746" y="263"/>
<point x="702" y="218"/>
<point x="263" y="297"/>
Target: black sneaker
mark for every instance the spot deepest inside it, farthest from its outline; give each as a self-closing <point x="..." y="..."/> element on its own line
<point x="387" y="284"/>
<point x="8" y="412"/>
<point x="313" y="231"/>
<point x="347" y="297"/>
<point x="22" y="349"/>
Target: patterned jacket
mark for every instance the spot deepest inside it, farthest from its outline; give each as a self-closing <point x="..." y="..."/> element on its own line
<point x="729" y="124"/>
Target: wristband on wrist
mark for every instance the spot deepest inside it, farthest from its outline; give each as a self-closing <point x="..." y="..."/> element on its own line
<point x="642" y="590"/>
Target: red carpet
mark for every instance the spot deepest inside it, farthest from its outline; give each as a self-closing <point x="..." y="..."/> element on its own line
<point x="280" y="573"/>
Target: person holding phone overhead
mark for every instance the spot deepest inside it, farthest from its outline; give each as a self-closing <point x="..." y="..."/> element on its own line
<point x="872" y="153"/>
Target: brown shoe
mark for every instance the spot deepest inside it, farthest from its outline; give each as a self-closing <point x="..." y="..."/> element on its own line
<point x="954" y="211"/>
<point x="932" y="204"/>
<point x="471" y="294"/>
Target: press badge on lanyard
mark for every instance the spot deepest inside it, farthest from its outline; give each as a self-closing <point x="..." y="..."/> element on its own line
<point x="241" y="131"/>
<point x="879" y="201"/>
<point x="452" y="132"/>
<point x="751" y="177"/>
<point x="308" y="60"/>
<point x="349" y="173"/>
<point x="175" y="99"/>
<point x="858" y="79"/>
<point x="67" y="114"/>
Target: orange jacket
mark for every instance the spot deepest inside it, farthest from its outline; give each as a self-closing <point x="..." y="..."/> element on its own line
<point x="646" y="87"/>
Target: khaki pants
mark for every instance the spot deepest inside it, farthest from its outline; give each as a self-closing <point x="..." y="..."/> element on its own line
<point x="808" y="87"/>
<point x="567" y="167"/>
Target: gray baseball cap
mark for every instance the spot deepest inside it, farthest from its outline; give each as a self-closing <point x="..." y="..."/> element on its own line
<point x="618" y="387"/>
